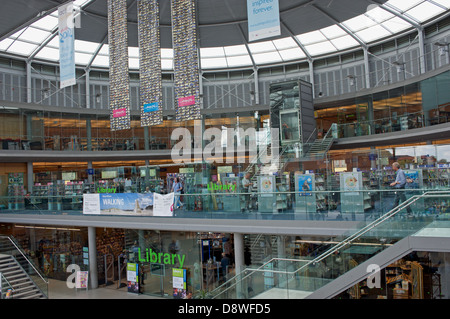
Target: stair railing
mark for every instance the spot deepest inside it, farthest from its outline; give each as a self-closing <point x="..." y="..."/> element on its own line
<point x="348" y="240"/>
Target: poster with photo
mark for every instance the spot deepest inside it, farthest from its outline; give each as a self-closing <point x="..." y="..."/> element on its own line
<point x="266" y="185"/>
<point x="132" y="278"/>
<point x="305" y="185"/>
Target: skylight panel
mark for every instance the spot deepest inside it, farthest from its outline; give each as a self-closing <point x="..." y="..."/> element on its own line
<point x="234" y="50"/>
<point x="48" y="53"/>
<point x="5" y="44"/>
<point x="285" y="43"/>
<point x="239" y="60"/>
<point x="22" y="48"/>
<point x="166" y="64"/>
<point x="403" y="5"/>
<point x="358" y="23"/>
<point x="424" y="11"/>
<point x="445" y="3"/>
<point x="101" y="61"/>
<point x="133" y="52"/>
<point x="46" y="23"/>
<point x="292" y="54"/>
<point x="260" y="47"/>
<point x="211" y="63"/>
<point x="82" y="58"/>
<point x="166" y="53"/>
<point x="133" y="63"/>
<point x="33" y="35"/>
<point x="344" y="42"/>
<point x="85" y="46"/>
<point x="374" y="33"/>
<point x="379" y="15"/>
<point x="396" y="24"/>
<point x="320" y="48"/>
<point x="212" y="52"/>
<point x="268" y="57"/>
<point x="311" y="37"/>
<point x="333" y="31"/>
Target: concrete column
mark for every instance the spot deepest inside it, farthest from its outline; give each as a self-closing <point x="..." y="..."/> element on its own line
<point x="239" y="263"/>
<point x="239" y="252"/>
<point x="92" y="240"/>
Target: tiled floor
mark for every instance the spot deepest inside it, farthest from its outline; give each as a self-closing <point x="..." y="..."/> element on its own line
<point x="58" y="290"/>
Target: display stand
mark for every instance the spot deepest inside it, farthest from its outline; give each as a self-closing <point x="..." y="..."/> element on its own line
<point x="305" y="198"/>
<point x="414" y="180"/>
<point x="266" y="196"/>
<point x="352" y="199"/>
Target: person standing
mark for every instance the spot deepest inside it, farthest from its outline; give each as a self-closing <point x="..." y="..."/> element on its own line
<point x="399" y="184"/>
<point x="177" y="187"/>
<point x="246" y="188"/>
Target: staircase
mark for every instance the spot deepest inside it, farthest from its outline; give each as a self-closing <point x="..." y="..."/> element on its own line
<point x="22" y="285"/>
<point x="19" y="273"/>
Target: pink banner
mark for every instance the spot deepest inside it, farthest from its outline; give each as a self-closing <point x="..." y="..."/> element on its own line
<point x="119" y="112"/>
<point x="186" y="101"/>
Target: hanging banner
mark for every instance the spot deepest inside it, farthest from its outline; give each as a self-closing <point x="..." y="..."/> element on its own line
<point x="185" y="60"/>
<point x="163" y="204"/>
<point x="132" y="204"/>
<point x="149" y="63"/>
<point x="119" y="83"/>
<point x="263" y="19"/>
<point x="66" y="33"/>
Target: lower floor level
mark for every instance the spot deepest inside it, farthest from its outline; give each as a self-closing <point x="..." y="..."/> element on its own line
<point x="128" y="263"/>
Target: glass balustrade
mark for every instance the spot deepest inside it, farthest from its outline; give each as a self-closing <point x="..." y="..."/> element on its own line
<point x="361" y="205"/>
<point x="298" y="278"/>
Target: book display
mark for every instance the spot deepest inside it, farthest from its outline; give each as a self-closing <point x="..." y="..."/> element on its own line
<point x="15" y="191"/>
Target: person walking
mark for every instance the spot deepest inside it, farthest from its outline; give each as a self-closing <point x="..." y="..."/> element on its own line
<point x="399" y="184"/>
<point x="177" y="187"/>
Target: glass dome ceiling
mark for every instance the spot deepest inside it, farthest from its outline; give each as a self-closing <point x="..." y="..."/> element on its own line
<point x="38" y="40"/>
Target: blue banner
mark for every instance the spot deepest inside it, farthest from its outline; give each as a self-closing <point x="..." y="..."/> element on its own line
<point x="151" y="107"/>
<point x="66" y="45"/>
<point x="263" y="19"/>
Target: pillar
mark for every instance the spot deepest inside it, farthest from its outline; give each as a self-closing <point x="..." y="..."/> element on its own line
<point x="239" y="262"/>
<point x="92" y="241"/>
<point x="88" y="135"/>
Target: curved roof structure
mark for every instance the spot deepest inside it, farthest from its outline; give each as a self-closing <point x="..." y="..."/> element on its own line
<point x="309" y="29"/>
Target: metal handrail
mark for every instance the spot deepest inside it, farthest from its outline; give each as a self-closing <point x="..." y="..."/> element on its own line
<point x="344" y="242"/>
<point x="26" y="258"/>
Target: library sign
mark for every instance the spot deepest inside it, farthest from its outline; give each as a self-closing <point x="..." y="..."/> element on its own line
<point x="134" y="204"/>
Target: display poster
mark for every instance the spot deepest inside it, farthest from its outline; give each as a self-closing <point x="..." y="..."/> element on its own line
<point x="66" y="45"/>
<point x="266" y="186"/>
<point x="179" y="283"/>
<point x="82" y="280"/>
<point x="163" y="204"/>
<point x="412" y="179"/>
<point x="351" y="182"/>
<point x="263" y="19"/>
<point x="133" y="277"/>
<point x="305" y="185"/>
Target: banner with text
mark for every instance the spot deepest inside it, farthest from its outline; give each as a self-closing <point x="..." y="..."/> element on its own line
<point x="66" y="45"/>
<point x="133" y="204"/>
<point x="263" y="19"/>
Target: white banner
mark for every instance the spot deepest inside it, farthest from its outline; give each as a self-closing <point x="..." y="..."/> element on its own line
<point x="163" y="204"/>
<point x="66" y="45"/>
<point x="263" y="19"/>
<point x="133" y="204"/>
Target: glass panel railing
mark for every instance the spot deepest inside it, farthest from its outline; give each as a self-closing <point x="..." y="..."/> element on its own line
<point x="337" y="205"/>
<point x="345" y="253"/>
<point x="11" y="247"/>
